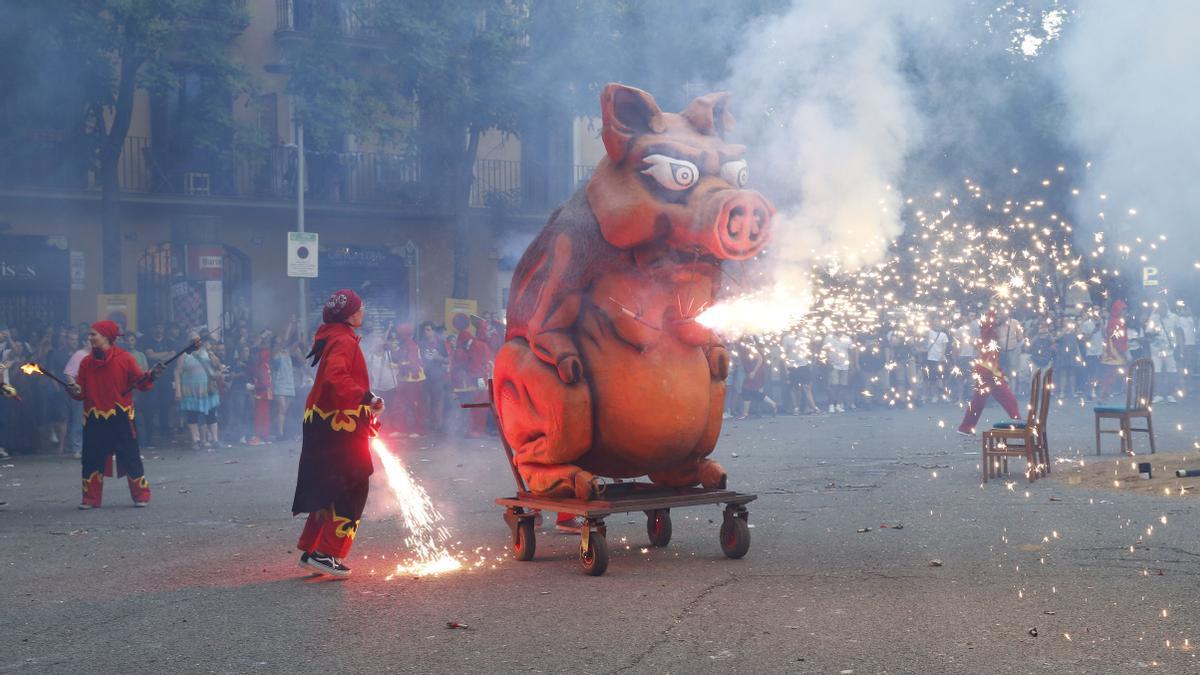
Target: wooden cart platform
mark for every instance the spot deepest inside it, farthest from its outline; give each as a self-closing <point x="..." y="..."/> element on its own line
<point x="620" y="497"/>
<point x="626" y="497"/>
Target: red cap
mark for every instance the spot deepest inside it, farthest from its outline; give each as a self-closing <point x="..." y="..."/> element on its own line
<point x="108" y="329"/>
<point x="341" y="306"/>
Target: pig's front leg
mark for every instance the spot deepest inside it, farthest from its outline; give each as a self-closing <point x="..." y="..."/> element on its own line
<point x="718" y="361"/>
<point x="555" y="314"/>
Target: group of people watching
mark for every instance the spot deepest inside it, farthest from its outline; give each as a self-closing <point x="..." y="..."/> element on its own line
<point x="240" y="386"/>
<point x="894" y="367"/>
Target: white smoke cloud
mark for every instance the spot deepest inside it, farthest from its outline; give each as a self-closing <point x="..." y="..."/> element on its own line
<point x="1129" y="72"/>
<point x="829" y="115"/>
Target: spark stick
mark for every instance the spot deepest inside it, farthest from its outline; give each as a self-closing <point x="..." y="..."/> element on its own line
<point x="190" y="348"/>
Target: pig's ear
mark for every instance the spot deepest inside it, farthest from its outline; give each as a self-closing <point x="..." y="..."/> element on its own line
<point x="628" y="113"/>
<point x="709" y="114"/>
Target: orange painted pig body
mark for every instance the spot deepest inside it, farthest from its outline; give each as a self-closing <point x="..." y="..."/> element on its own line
<point x="604" y="371"/>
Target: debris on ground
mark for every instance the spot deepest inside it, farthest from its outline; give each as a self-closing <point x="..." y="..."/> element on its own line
<point x="936" y="563"/>
<point x="1033" y="632"/>
<point x="454" y="624"/>
<point x="863" y="529"/>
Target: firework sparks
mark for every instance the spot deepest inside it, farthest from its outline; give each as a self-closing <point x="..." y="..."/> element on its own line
<point x="428" y="539"/>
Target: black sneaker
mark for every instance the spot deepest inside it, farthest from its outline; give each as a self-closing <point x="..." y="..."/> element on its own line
<point x="304" y="559"/>
<point x="326" y="564"/>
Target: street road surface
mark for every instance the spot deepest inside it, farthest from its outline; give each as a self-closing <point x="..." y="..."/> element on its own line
<point x="205" y="580"/>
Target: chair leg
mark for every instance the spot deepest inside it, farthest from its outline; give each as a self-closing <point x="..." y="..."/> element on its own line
<point x="1150" y="432"/>
<point x="1044" y="446"/>
<point x="1097" y="435"/>
<point x="986" y="467"/>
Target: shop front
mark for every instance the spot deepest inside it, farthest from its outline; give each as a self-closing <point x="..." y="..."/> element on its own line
<point x="35" y="281"/>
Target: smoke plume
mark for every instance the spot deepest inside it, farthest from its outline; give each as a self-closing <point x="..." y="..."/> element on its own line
<point x="1129" y="73"/>
<point x="829" y="116"/>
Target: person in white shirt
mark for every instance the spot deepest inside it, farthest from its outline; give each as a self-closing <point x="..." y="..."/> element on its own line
<point x="1091" y="331"/>
<point x="937" y="343"/>
<point x="837" y="349"/>
<point x="964" y="337"/>
<point x="74" y="412"/>
<point x="1187" y="350"/>
<point x="799" y="374"/>
<point x="1160" y="334"/>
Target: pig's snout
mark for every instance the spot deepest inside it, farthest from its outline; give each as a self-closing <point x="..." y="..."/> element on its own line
<point x="743" y="225"/>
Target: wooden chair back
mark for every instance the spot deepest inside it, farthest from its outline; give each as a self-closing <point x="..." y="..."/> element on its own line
<point x="1035" y="393"/>
<point x="1139" y="391"/>
<point x="1047" y="395"/>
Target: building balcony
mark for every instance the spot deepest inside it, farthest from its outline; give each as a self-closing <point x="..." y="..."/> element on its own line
<point x="266" y="176"/>
<point x="297" y="18"/>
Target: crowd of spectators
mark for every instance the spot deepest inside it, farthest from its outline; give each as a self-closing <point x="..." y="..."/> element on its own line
<point x="246" y="387"/>
<point x="898" y="368"/>
<point x="249" y="388"/>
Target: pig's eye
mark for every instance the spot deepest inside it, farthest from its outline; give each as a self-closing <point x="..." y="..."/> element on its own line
<point x="671" y="173"/>
<point x="736" y="173"/>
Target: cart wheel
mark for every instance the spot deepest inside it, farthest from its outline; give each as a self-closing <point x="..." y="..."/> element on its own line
<point x="524" y="542"/>
<point x="735" y="537"/>
<point x="658" y="526"/>
<point x="595" y="556"/>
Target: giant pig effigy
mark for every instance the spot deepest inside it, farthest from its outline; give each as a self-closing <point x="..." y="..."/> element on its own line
<point x="605" y="371"/>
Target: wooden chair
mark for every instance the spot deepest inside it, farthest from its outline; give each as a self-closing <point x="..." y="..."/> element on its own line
<point x="1015" y="439"/>
<point x="1139" y="391"/>
<point x="1043" y="436"/>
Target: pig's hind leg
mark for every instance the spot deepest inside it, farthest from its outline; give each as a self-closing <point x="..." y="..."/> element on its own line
<point x="704" y="472"/>
<point x="547" y="422"/>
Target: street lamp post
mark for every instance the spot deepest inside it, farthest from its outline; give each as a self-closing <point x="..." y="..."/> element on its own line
<point x="302" y="328"/>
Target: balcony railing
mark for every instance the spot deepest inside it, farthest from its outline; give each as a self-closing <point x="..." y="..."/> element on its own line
<point x="332" y="178"/>
<point x="349" y="20"/>
<point x="525" y="185"/>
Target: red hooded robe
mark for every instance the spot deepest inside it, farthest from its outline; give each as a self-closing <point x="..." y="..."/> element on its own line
<point x="338" y="425"/>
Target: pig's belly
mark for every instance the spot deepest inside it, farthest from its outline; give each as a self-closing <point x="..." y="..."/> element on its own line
<point x="650" y="408"/>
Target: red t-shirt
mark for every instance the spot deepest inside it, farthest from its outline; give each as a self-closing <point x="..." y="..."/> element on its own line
<point x="107" y="383"/>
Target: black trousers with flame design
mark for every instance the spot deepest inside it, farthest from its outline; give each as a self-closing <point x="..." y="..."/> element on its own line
<point x="112" y="435"/>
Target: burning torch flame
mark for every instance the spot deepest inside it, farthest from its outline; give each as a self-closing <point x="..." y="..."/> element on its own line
<point x="427" y="538"/>
<point x="32" y="368"/>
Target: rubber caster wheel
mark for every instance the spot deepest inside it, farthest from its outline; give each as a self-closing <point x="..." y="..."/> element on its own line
<point x="524" y="542"/>
<point x="735" y="537"/>
<point x="658" y="526"/>
<point x="594" y="555"/>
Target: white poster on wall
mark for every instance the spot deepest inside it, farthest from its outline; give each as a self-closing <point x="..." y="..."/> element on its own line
<point x="302" y="254"/>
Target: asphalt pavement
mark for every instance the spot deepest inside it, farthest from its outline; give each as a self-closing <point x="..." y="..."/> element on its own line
<point x="875" y="549"/>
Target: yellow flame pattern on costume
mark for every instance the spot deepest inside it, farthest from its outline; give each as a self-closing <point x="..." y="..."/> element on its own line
<point x="106" y="414"/>
<point x="342" y="420"/>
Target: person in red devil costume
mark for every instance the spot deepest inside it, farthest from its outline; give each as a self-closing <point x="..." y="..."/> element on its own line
<point x="335" y="456"/>
<point x="470" y="366"/>
<point x="107" y="378"/>
<point x="988" y="377"/>
<point x="410" y="383"/>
